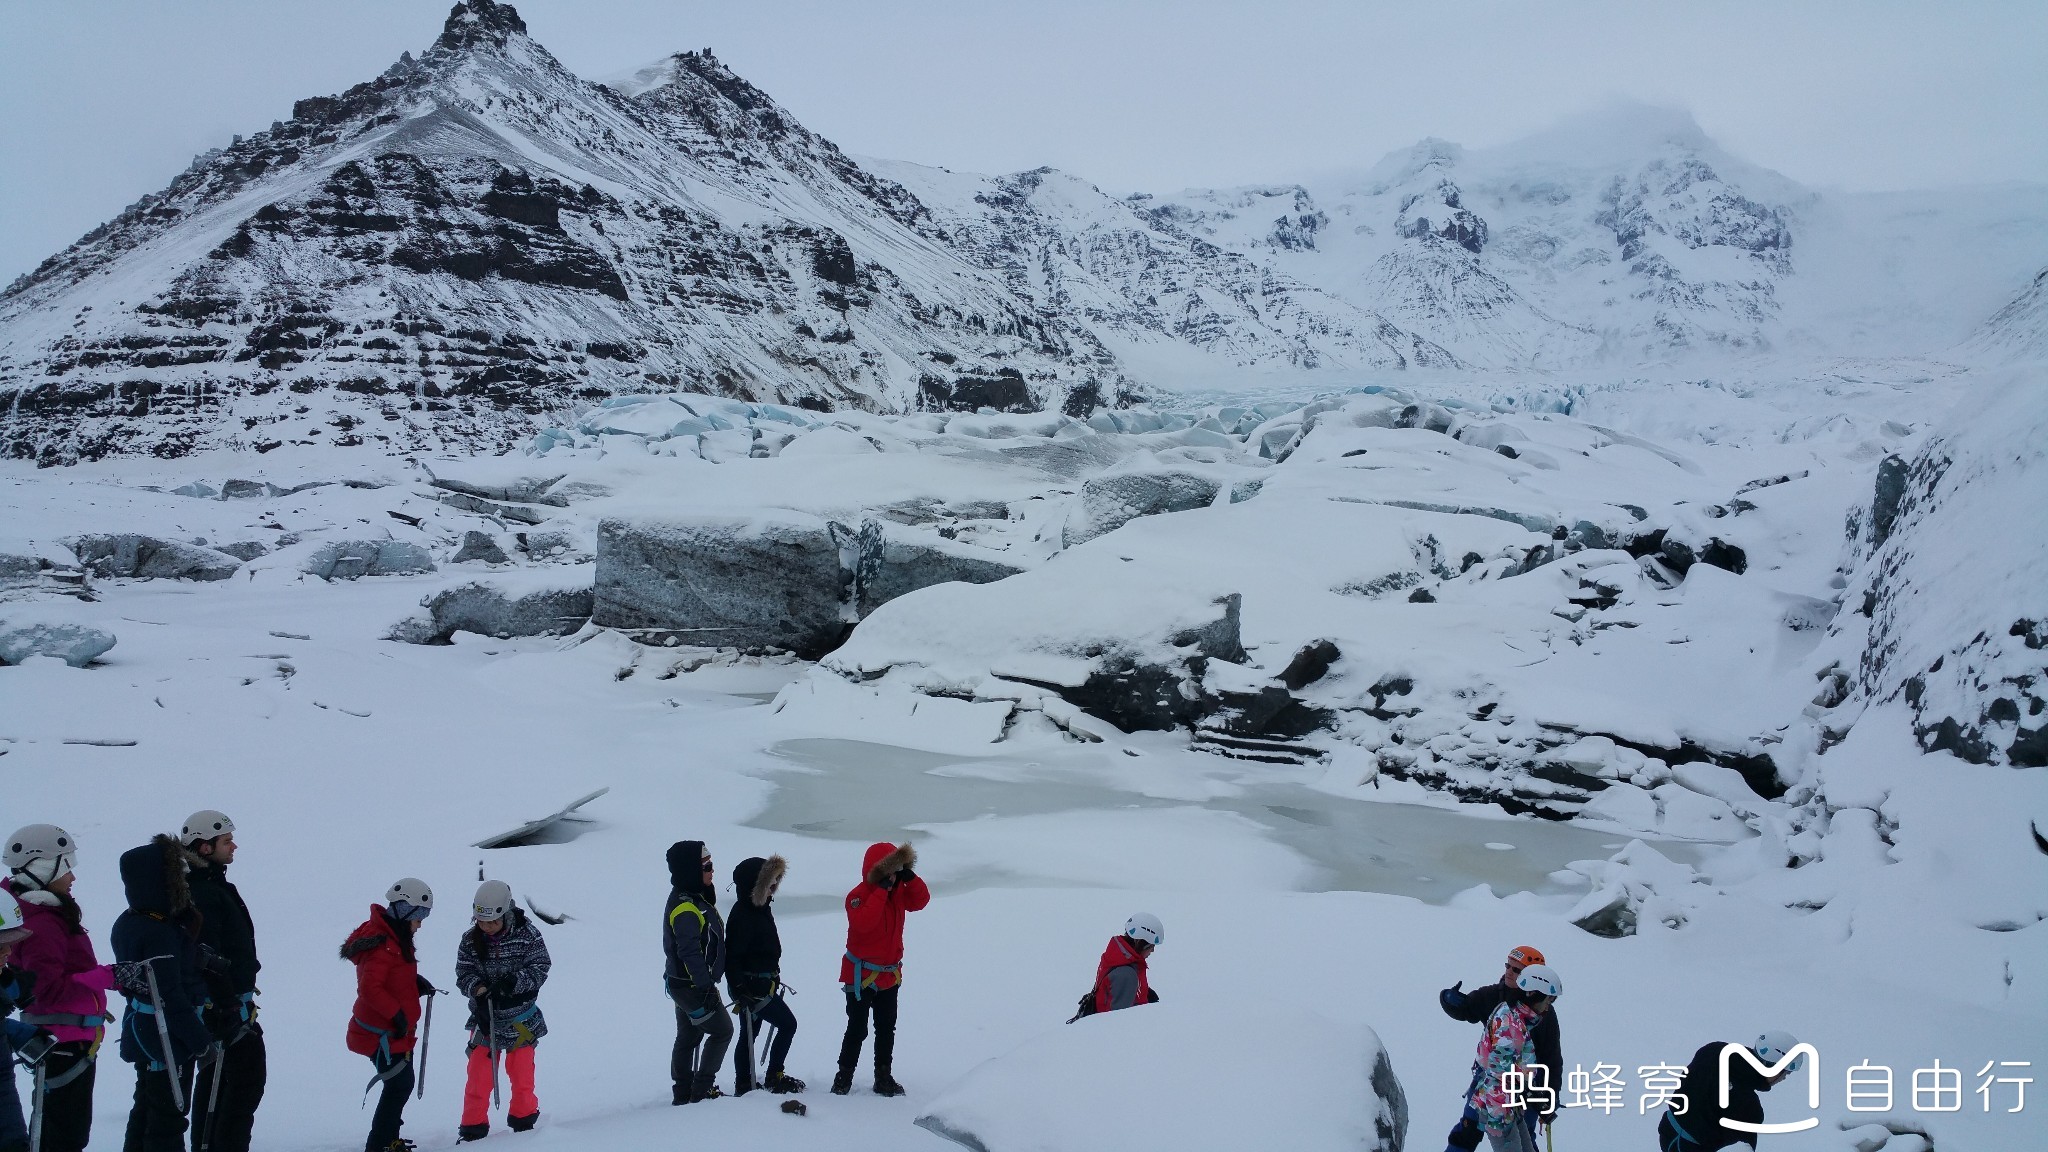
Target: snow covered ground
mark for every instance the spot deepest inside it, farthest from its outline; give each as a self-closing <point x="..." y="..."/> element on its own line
<point x="1345" y="881"/>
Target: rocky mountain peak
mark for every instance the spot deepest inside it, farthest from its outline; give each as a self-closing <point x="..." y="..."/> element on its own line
<point x="479" y="23"/>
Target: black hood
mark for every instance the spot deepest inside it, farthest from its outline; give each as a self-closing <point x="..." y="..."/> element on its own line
<point x="154" y="876"/>
<point x="686" y="870"/>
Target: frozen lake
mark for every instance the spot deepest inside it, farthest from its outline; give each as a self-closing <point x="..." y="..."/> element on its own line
<point x="855" y="790"/>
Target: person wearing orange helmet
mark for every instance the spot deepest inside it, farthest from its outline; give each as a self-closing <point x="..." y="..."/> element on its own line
<point x="1477" y="1006"/>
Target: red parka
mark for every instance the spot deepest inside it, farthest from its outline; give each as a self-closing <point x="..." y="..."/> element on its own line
<point x="1120" y="954"/>
<point x="874" y="917"/>
<point x="387" y="984"/>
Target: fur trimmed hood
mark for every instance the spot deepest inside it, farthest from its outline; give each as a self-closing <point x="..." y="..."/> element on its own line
<point x="154" y="878"/>
<point x="755" y="879"/>
<point x="884" y="860"/>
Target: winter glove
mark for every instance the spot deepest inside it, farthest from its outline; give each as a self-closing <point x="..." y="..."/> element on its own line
<point x="208" y="1055"/>
<point x="132" y="978"/>
<point x="214" y="962"/>
<point x="1151" y="995"/>
<point x="399" y="1028"/>
<point x="504" y="987"/>
<point x="1452" y="999"/>
<point x="905" y="875"/>
<point x="423" y="986"/>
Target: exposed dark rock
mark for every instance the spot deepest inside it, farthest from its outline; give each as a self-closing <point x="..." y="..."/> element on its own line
<point x="1004" y="392"/>
<point x="486" y="610"/>
<point x="1722" y="554"/>
<point x="129" y="554"/>
<point x="1309" y="665"/>
<point x="484" y="547"/>
<point x="1884" y="504"/>
<point x="1422" y="596"/>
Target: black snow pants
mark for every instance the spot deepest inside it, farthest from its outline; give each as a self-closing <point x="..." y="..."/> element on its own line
<point x="773" y="1012"/>
<point x="860" y="1002"/>
<point x="67" y="1111"/>
<point x="700" y="1019"/>
<point x="154" y="1122"/>
<point x="242" y="1072"/>
<point x="395" y="1072"/>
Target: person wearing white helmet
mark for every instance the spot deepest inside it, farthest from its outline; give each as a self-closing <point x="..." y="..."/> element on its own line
<point x="1121" y="979"/>
<point x="231" y="966"/>
<point x="1509" y="1043"/>
<point x="1700" y="1129"/>
<point x="500" y="964"/>
<point x="384" y="1024"/>
<point x="1476" y="1007"/>
<point x="68" y="985"/>
<point x="16" y="1038"/>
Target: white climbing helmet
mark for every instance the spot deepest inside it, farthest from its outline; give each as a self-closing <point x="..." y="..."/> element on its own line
<point x="493" y="900"/>
<point x="13" y="926"/>
<point x="41" y="852"/>
<point x="1145" y="926"/>
<point x="1773" y="1046"/>
<point x="205" y="824"/>
<point x="1540" y="980"/>
<point x="414" y="894"/>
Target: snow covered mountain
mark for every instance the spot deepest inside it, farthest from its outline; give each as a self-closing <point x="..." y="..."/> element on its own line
<point x="478" y="245"/>
<point x="1151" y="290"/>
<point x="1627" y="236"/>
<point x="478" y="236"/>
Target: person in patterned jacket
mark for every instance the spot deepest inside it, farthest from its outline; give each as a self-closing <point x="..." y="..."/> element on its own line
<point x="500" y="965"/>
<point x="1509" y="1043"/>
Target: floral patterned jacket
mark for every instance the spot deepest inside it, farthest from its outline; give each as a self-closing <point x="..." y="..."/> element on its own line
<point x="1508" y="1042"/>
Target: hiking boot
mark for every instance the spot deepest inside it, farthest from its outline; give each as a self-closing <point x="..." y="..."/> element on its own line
<point x="679" y="1094"/>
<point x="468" y="1132"/>
<point x="783" y="1084"/>
<point x="523" y="1123"/>
<point x="842" y="1082"/>
<point x="705" y="1092"/>
<point x="886" y="1085"/>
<point x="397" y="1145"/>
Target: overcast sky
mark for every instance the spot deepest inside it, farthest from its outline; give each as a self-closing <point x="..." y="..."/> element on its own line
<point x="101" y="101"/>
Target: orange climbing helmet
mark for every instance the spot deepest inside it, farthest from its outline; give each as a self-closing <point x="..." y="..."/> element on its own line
<point x="1524" y="956"/>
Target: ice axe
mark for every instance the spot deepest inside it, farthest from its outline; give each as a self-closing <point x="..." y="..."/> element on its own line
<point x="426" y="1034"/>
<point x="220" y="1069"/>
<point x="35" y="1120"/>
<point x="491" y="1035"/>
<point x="163" y="1032"/>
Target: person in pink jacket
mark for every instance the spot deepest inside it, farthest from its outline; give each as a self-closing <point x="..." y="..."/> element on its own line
<point x="70" y="985"/>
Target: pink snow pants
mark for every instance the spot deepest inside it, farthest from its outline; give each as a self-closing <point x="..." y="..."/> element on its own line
<point x="476" y="1094"/>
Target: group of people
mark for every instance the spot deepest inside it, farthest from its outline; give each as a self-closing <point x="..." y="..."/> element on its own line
<point x="1520" y="1037"/>
<point x="185" y="960"/>
<point x="184" y="957"/>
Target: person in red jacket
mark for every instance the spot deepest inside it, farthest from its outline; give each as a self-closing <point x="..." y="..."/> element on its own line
<point x="385" y="1023"/>
<point x="872" y="970"/>
<point x="1120" y="977"/>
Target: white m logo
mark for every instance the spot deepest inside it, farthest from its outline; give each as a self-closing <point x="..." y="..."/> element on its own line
<point x="1785" y="1064"/>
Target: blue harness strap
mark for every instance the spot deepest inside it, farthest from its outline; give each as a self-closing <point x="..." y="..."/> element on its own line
<point x="861" y="970"/>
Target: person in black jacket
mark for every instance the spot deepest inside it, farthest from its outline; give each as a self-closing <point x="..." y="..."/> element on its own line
<point x="1700" y="1128"/>
<point x="160" y="930"/>
<point x="1476" y="1006"/>
<point x="753" y="974"/>
<point x="229" y="935"/>
<point x="693" y="953"/>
